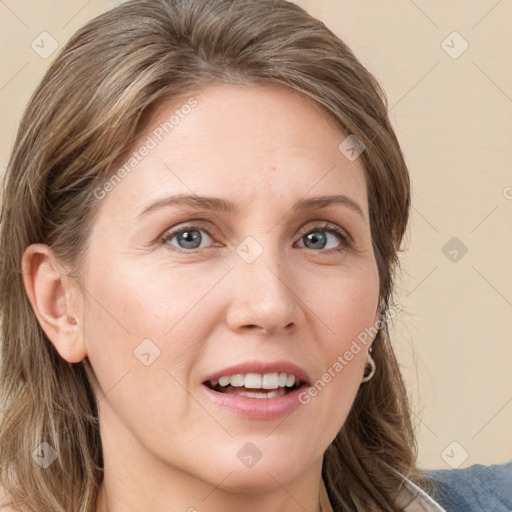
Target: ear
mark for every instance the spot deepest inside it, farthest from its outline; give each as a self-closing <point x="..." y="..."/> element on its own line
<point x="54" y="298"/>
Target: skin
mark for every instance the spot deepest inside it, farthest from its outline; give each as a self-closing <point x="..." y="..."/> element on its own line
<point x="166" y="445"/>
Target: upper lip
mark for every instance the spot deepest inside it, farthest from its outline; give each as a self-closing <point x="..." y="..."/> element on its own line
<point x="262" y="367"/>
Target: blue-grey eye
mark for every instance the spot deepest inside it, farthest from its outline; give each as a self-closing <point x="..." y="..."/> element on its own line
<point x="318" y="238"/>
<point x="188" y="238"/>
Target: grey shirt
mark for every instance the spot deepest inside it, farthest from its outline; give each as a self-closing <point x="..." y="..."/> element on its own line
<point x="477" y="488"/>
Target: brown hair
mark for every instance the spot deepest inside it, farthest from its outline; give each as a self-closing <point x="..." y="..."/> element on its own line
<point x="84" y="115"/>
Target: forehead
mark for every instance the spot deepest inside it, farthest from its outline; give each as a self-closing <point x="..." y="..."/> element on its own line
<point x="257" y="145"/>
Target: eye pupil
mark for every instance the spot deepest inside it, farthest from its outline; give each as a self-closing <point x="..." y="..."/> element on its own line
<point x="315" y="237"/>
<point x="190" y="237"/>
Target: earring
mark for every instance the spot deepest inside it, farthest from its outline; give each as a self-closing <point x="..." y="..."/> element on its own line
<point x="373" y="367"/>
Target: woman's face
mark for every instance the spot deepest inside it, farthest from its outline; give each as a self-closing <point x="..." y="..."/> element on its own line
<point x="255" y="281"/>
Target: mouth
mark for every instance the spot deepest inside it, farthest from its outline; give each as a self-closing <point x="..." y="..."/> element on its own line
<point x="256" y="385"/>
<point x="256" y="389"/>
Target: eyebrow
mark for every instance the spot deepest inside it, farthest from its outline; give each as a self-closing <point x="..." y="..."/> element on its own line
<point x="317" y="202"/>
<point x="225" y="206"/>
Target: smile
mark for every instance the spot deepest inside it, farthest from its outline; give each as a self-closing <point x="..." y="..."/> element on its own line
<point x="257" y="390"/>
<point x="255" y="385"/>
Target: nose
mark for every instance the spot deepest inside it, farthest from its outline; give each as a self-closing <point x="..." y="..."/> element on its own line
<point x="264" y="297"/>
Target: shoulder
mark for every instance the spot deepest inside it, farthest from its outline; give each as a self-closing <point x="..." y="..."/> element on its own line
<point x="475" y="488"/>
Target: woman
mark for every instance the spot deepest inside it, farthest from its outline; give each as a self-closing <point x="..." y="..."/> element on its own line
<point x="200" y="228"/>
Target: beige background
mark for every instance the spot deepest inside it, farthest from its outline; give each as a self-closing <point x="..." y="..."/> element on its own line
<point x="453" y="117"/>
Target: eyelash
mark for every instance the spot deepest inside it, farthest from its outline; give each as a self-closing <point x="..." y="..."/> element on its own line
<point x="346" y="240"/>
<point x="333" y="230"/>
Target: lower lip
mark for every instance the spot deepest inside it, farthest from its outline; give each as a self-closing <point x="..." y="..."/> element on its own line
<point x="257" y="408"/>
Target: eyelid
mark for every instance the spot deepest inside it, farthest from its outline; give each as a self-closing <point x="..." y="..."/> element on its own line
<point x="329" y="227"/>
<point x="347" y="242"/>
<point x="189" y="226"/>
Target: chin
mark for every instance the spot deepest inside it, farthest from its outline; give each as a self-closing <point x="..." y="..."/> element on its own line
<point x="260" y="479"/>
<point x="253" y="470"/>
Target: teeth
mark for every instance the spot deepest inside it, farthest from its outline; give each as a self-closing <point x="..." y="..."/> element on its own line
<point x="270" y="381"/>
<point x="252" y="381"/>
<point x="224" y="381"/>
<point x="275" y="393"/>
<point x="237" y="380"/>
<point x="257" y="380"/>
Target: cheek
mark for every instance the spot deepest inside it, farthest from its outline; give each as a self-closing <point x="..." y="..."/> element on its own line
<point x="344" y="302"/>
<point x="144" y="320"/>
<point x="144" y="301"/>
<point x="143" y="338"/>
<point x="345" y="309"/>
